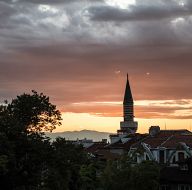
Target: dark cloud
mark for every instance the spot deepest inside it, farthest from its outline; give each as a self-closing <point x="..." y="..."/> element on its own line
<point x="140" y="12"/>
<point x="5" y="12"/>
<point x="58" y="50"/>
<point x="87" y="73"/>
<point x="49" y="2"/>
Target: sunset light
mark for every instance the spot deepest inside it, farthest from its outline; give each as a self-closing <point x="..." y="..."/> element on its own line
<point x="95" y="95"/>
<point x="78" y="122"/>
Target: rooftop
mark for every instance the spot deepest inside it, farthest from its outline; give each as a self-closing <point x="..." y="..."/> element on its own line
<point x="167" y="139"/>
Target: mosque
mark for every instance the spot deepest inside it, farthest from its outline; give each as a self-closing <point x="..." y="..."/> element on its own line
<point x="162" y="146"/>
<point x="172" y="149"/>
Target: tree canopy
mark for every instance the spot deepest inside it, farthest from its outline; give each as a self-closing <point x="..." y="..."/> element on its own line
<point x="30" y="113"/>
<point x="31" y="161"/>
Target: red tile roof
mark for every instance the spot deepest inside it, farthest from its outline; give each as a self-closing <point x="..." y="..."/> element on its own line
<point x="176" y="139"/>
<point x="126" y="146"/>
<point x="107" y="155"/>
<point x="167" y="139"/>
<point x="96" y="146"/>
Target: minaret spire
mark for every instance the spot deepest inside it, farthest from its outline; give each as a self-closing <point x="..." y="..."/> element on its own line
<point x="128" y="125"/>
<point x="128" y="103"/>
<point x="128" y="109"/>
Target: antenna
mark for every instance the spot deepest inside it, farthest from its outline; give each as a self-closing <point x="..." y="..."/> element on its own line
<point x="165" y="125"/>
<point x="127" y="76"/>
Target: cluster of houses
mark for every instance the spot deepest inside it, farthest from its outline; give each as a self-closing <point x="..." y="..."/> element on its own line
<point x="162" y="146"/>
<point x="172" y="149"/>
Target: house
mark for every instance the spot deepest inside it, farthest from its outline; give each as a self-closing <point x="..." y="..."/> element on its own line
<point x="163" y="146"/>
<point x="122" y="146"/>
<point x="99" y="151"/>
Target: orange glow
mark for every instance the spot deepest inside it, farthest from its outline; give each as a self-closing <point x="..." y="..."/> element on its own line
<point x="80" y="121"/>
<point x="106" y="116"/>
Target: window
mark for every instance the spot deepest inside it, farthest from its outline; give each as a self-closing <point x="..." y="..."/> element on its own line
<point x="174" y="160"/>
<point x="135" y="158"/>
<point x="164" y="187"/>
<point x="161" y="156"/>
<point x="184" y="187"/>
<point x="181" y="156"/>
<point x="147" y="157"/>
<point x="184" y="167"/>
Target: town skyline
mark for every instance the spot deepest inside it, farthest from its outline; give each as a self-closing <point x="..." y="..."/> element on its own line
<point x="78" y="53"/>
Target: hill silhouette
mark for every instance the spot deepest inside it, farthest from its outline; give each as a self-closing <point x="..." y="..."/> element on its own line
<point x="74" y="135"/>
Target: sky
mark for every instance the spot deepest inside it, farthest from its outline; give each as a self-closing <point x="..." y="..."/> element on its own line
<point x="78" y="53"/>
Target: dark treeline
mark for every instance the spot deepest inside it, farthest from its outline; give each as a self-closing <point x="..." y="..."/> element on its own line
<point x="30" y="161"/>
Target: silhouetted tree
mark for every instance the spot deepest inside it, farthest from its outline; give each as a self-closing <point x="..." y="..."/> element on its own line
<point x="23" y="148"/>
<point x="30" y="161"/>
<point x="123" y="175"/>
<point x="67" y="160"/>
<point x="34" y="112"/>
<point x="145" y="176"/>
<point x="88" y="177"/>
<point x="117" y="175"/>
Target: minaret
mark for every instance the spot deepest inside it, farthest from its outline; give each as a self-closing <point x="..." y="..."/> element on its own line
<point x="128" y="125"/>
<point x="128" y="111"/>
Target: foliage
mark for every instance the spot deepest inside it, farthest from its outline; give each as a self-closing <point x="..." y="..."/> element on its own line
<point x="30" y="112"/>
<point x="88" y="177"/>
<point x="146" y="176"/>
<point x="65" y="163"/>
<point x="122" y="175"/>
<point x="3" y="164"/>
<point x="24" y="151"/>
<point x="30" y="161"/>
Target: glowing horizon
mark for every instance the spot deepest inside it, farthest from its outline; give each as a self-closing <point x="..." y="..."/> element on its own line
<point x="85" y="121"/>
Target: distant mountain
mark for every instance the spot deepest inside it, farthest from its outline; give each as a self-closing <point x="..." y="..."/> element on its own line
<point x="74" y="135"/>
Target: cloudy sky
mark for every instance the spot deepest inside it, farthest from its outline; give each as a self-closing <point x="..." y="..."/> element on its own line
<point x="79" y="51"/>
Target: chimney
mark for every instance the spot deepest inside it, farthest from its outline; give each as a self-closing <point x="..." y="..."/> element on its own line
<point x="104" y="141"/>
<point x="154" y="130"/>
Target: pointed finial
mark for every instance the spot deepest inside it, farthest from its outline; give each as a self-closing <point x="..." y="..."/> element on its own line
<point x="127" y="76"/>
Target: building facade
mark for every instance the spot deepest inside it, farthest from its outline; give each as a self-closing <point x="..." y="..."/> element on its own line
<point x="163" y="146"/>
